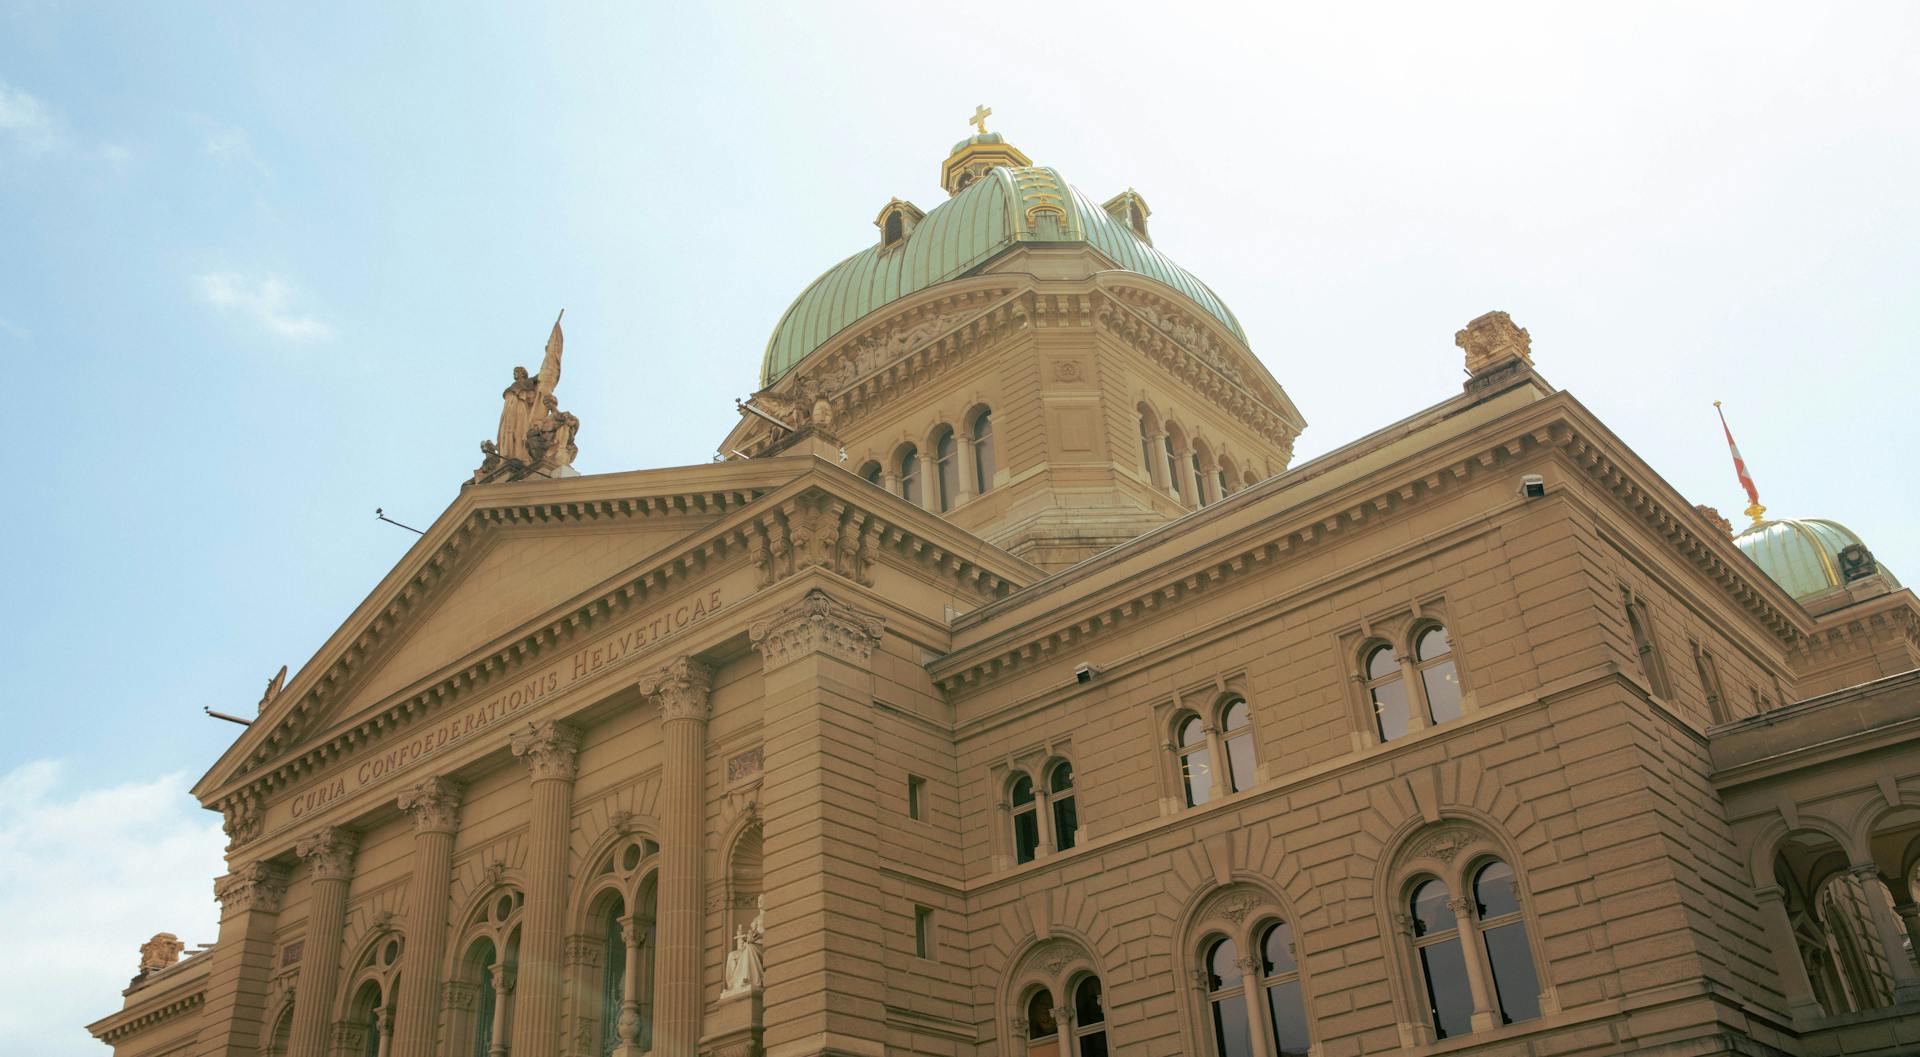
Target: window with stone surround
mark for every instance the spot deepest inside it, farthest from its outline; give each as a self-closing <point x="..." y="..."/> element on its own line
<point x="906" y="464"/>
<point x="622" y="901"/>
<point x="1409" y="676"/>
<point x="1059" y="1005"/>
<point x="480" y="995"/>
<point x="916" y="798"/>
<point x="1469" y="949"/>
<point x="1710" y="688"/>
<point x="1645" y="646"/>
<point x="873" y="473"/>
<point x="1042" y="810"/>
<point x="1252" y="994"/>
<point x="946" y="470"/>
<point x="1212" y="749"/>
<point x="371" y="985"/>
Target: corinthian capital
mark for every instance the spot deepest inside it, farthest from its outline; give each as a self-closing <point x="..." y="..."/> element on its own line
<point x="817" y="623"/>
<point x="681" y="688"/>
<point x="551" y="749"/>
<point x="434" y="804"/>
<point x="254" y="886"/>
<point x="328" y="852"/>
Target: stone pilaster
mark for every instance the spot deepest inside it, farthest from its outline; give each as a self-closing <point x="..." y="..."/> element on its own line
<point x="824" y="907"/>
<point x="434" y="805"/>
<point x="551" y="751"/>
<point x="233" y="1017"/>
<point x="328" y="855"/>
<point x="681" y="690"/>
<point x="1886" y="928"/>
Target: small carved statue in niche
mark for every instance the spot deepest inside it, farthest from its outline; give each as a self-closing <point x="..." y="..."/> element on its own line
<point x="1856" y="563"/>
<point x="746" y="963"/>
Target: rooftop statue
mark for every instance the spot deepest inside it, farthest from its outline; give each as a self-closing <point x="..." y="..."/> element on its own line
<point x="534" y="434"/>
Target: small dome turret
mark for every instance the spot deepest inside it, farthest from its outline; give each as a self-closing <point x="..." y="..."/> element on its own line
<point x="1810" y="556"/>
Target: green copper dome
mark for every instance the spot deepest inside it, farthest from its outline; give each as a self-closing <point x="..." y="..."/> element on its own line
<point x="1801" y="555"/>
<point x="1005" y="207"/>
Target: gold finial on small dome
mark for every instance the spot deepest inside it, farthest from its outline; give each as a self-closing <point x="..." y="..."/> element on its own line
<point x="979" y="118"/>
<point x="979" y="154"/>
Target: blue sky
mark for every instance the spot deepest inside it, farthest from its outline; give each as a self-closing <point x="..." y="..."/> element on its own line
<point x="263" y="269"/>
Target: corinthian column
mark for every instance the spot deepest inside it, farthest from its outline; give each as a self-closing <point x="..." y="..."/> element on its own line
<point x="328" y="853"/>
<point x="681" y="690"/>
<point x="551" y="751"/>
<point x="435" y="807"/>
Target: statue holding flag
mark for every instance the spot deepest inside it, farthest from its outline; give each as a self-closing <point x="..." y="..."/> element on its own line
<point x="534" y="435"/>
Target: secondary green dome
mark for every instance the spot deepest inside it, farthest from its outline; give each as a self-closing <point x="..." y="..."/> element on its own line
<point x="1005" y="207"/>
<point x="1802" y="554"/>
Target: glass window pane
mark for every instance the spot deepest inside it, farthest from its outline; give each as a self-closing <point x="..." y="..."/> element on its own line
<point x="1390" y="709"/>
<point x="1040" y="1022"/>
<point x="1493" y="890"/>
<point x="983" y="450"/>
<point x="1087" y="1009"/>
<point x="1449" y="1000"/>
<point x="1382" y="662"/>
<point x="872" y="473"/>
<point x="1022" y="790"/>
<point x="1276" y="950"/>
<point x="1060" y="779"/>
<point x="1231" y="1034"/>
<point x="1196" y="773"/>
<point x="1026" y="835"/>
<point x="1223" y="966"/>
<point x="1093" y="1044"/>
<point x="1236" y="716"/>
<point x="1289" y="1015"/>
<point x="1514" y="982"/>
<point x="1431" y="913"/>
<point x="1241" y="766"/>
<point x="1066" y="823"/>
<point x="1193" y="732"/>
<point x="1443" y="691"/>
<point x="1433" y="643"/>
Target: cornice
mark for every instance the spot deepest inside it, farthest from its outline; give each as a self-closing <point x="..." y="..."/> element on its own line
<point x="821" y="517"/>
<point x="112" y="1030"/>
<point x="1556" y="426"/>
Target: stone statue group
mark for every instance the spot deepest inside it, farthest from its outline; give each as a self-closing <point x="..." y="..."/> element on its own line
<point x="535" y="436"/>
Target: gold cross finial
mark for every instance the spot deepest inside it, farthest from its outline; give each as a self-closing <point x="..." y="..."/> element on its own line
<point x="979" y="118"/>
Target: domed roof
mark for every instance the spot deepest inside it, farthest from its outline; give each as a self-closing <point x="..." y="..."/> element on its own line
<point x="1802" y="554"/>
<point x="1005" y="207"/>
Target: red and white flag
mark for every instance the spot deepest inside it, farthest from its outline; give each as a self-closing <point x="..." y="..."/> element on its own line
<point x="1739" y="464"/>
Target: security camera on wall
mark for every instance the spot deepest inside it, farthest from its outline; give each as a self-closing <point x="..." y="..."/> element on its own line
<point x="1084" y="673"/>
<point x="1533" y="486"/>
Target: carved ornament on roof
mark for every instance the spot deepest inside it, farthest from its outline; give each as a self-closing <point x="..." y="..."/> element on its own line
<point x="818" y="623"/>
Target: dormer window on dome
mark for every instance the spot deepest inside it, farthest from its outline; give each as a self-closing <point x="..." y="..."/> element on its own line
<point x="896" y="221"/>
<point x="1130" y="209"/>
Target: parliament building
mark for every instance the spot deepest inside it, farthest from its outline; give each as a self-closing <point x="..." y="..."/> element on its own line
<point x="1007" y="688"/>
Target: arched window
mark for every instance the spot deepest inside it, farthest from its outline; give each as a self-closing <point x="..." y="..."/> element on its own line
<point x="946" y="464"/>
<point x="1387" y="692"/>
<point x="1195" y="751"/>
<point x="1089" y="1018"/>
<point x="1043" y="1028"/>
<point x="1504" y="932"/>
<point x="1174" y="467"/>
<point x="613" y="975"/>
<point x="908" y="465"/>
<point x="1280" y="980"/>
<point x="896" y="229"/>
<point x="1146" y="445"/>
<point x="1433" y="655"/>
<point x="983" y="466"/>
<point x="1066" y="822"/>
<point x="1026" y="821"/>
<point x="1238" y="733"/>
<point x="872" y="473"/>
<point x="1227" y="1001"/>
<point x="1228" y="476"/>
<point x="1203" y="491"/>
<point x="1443" y="964"/>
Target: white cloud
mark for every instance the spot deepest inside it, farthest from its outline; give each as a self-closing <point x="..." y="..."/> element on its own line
<point x="266" y="301"/>
<point x="30" y="122"/>
<point x="86" y="876"/>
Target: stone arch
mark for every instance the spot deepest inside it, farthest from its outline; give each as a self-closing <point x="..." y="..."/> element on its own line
<point x="589" y="879"/>
<point x="743" y="868"/>
<point x="1051" y="959"/>
<point x="1768" y="842"/>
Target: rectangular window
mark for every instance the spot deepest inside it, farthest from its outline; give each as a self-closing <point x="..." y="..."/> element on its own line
<point x="923" y="932"/>
<point x="916" y="798"/>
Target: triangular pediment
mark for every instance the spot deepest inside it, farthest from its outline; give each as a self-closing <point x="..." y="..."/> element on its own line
<point x="513" y="576"/>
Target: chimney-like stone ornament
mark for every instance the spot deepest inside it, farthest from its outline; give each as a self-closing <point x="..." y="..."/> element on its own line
<point x="1492" y="341"/>
<point x="160" y="952"/>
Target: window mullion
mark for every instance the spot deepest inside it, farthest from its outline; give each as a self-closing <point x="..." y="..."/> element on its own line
<point x="1419" y="714"/>
<point x="1256" y="1004"/>
<point x="1479" y="973"/>
<point x="1043" y="820"/>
